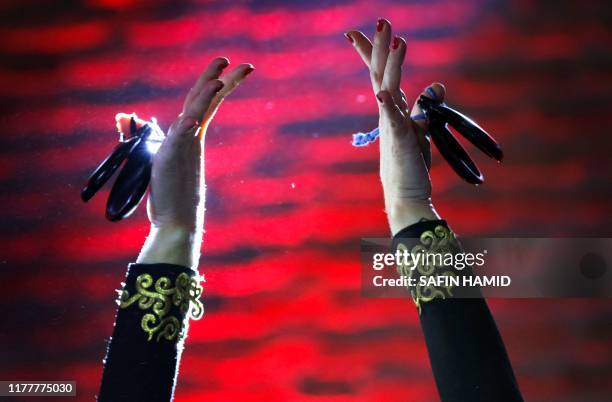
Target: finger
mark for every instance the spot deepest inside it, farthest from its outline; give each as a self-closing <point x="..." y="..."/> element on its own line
<point x="190" y="119"/>
<point x="362" y="44"/>
<point x="380" y="52"/>
<point x="202" y="100"/>
<point x="187" y="125"/>
<point x="230" y="81"/>
<point x="213" y="71"/>
<point x="393" y="68"/>
<point x="390" y="108"/>
<point x="435" y="91"/>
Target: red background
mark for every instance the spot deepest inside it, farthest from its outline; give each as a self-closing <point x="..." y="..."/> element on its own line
<point x="288" y="197"/>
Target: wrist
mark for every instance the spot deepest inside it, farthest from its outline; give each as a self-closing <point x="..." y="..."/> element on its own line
<point x="403" y="213"/>
<point x="172" y="245"/>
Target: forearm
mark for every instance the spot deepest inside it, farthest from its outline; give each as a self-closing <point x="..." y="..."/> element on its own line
<point x="172" y="245"/>
<point x="155" y="305"/>
<point x="162" y="289"/>
<point x="466" y="351"/>
<point x="160" y="294"/>
<point x="403" y="213"/>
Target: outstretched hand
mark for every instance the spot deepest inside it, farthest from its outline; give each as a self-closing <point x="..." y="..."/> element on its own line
<point x="176" y="200"/>
<point x="405" y="152"/>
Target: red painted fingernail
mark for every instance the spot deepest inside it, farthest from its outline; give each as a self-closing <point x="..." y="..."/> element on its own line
<point x="348" y="37"/>
<point x="249" y="70"/>
<point x="379" y="99"/>
<point x="380" y="25"/>
<point x="396" y="43"/>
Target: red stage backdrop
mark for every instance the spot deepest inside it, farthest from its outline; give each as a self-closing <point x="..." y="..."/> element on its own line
<point x="288" y="197"/>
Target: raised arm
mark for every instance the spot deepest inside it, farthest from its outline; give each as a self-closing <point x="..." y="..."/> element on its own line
<point x="467" y="354"/>
<point x="162" y="288"/>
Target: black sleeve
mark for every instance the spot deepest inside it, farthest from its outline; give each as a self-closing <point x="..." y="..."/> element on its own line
<point x="155" y="305"/>
<point x="467" y="354"/>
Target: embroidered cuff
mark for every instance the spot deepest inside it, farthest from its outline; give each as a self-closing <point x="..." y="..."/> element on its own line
<point x="429" y="244"/>
<point x="164" y="297"/>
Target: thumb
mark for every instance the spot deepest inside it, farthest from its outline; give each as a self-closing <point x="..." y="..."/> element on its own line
<point x="435" y="91"/>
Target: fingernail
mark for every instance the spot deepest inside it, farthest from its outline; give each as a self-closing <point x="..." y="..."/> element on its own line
<point x="249" y="70"/>
<point x="380" y="24"/>
<point x="348" y="37"/>
<point x="379" y="98"/>
<point x="396" y="43"/>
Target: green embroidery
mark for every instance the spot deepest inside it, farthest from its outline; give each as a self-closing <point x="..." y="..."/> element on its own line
<point x="157" y="299"/>
<point x="439" y="241"/>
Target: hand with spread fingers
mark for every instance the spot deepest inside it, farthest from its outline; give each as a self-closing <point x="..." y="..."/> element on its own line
<point x="405" y="153"/>
<point x="176" y="200"/>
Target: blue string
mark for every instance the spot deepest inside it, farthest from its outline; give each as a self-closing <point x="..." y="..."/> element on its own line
<point x="431" y="93"/>
<point x="362" y="139"/>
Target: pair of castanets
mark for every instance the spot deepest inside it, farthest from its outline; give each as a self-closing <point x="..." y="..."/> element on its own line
<point x="137" y="150"/>
<point x="440" y="116"/>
